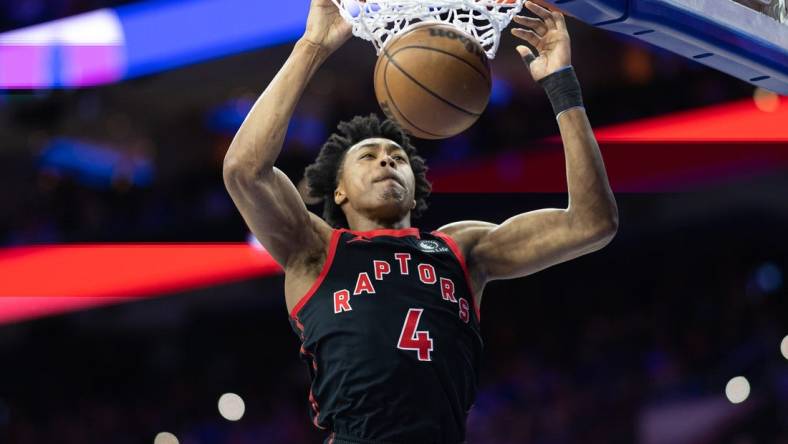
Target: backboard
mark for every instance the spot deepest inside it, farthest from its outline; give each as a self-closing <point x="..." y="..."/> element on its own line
<point x="747" y="39"/>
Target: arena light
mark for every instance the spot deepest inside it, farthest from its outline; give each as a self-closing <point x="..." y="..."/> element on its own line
<point x="231" y="407"/>
<point x="109" y="45"/>
<point x="768" y="277"/>
<point x="165" y="438"/>
<point x="83" y="50"/>
<point x="670" y="153"/>
<point x="740" y="121"/>
<point x="163" y="34"/>
<point x="766" y="100"/>
<point x="43" y="280"/>
<point x="737" y="390"/>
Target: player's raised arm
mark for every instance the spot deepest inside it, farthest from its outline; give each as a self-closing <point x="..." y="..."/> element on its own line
<point x="265" y="197"/>
<point x="532" y="241"/>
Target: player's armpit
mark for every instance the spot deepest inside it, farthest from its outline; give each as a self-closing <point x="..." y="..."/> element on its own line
<point x="276" y="215"/>
<point x="533" y="241"/>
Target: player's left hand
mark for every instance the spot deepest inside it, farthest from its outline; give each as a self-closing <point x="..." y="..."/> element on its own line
<point x="548" y="35"/>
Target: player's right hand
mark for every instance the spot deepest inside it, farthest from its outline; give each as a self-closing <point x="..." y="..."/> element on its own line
<point x="325" y="27"/>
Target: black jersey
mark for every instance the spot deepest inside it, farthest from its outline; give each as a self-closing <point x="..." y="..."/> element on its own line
<point x="390" y="333"/>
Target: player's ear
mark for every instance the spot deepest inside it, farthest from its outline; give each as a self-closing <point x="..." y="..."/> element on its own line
<point x="413" y="205"/>
<point x="339" y="195"/>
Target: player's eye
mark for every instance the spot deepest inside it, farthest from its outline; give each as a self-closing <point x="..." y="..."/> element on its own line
<point x="399" y="158"/>
<point x="363" y="156"/>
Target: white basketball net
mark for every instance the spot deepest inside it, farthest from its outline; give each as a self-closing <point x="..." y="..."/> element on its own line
<point x="380" y="20"/>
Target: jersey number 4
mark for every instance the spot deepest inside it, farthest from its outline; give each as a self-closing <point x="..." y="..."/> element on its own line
<point x="412" y="339"/>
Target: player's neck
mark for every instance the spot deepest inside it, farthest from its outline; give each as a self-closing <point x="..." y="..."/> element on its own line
<point x="364" y="224"/>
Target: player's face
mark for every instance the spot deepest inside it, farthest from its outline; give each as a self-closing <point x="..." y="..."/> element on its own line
<point x="376" y="180"/>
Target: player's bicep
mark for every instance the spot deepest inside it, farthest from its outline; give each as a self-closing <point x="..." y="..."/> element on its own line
<point x="275" y="213"/>
<point x="533" y="241"/>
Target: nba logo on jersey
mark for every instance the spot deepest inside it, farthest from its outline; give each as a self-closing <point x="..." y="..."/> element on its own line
<point x="429" y="246"/>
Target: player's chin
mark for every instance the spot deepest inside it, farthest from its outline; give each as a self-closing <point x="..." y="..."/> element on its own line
<point x="393" y="192"/>
<point x="392" y="205"/>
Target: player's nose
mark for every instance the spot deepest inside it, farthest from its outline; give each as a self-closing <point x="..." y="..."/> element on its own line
<point x="388" y="160"/>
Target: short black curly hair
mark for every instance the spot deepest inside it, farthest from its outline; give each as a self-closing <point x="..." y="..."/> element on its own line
<point x="323" y="175"/>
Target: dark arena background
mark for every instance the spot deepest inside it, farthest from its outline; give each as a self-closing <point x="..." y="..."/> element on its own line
<point x="135" y="307"/>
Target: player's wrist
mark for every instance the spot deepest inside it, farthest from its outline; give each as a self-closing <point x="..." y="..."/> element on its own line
<point x="563" y="89"/>
<point x="310" y="46"/>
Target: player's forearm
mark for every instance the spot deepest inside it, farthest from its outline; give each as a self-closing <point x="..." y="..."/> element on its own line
<point x="591" y="199"/>
<point x="259" y="141"/>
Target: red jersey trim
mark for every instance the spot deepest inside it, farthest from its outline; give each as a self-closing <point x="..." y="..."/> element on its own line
<point x="332" y="249"/>
<point x="312" y="401"/>
<point x="402" y="232"/>
<point x="457" y="252"/>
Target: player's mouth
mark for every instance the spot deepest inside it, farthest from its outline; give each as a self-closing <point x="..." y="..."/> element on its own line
<point x="387" y="177"/>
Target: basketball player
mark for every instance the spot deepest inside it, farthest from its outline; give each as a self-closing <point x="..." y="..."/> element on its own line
<point x="388" y="315"/>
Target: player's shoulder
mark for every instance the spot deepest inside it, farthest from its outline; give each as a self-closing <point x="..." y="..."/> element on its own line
<point x="466" y="233"/>
<point x="466" y="228"/>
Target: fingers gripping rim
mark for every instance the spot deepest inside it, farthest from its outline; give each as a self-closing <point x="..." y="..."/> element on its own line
<point x="378" y="21"/>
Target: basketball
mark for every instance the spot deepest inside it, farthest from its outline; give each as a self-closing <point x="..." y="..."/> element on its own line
<point x="434" y="80"/>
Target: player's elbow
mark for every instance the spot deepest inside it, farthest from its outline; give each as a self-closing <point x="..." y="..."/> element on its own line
<point x="597" y="226"/>
<point x="603" y="233"/>
<point x="237" y="170"/>
<point x="608" y="226"/>
<point x="232" y="172"/>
